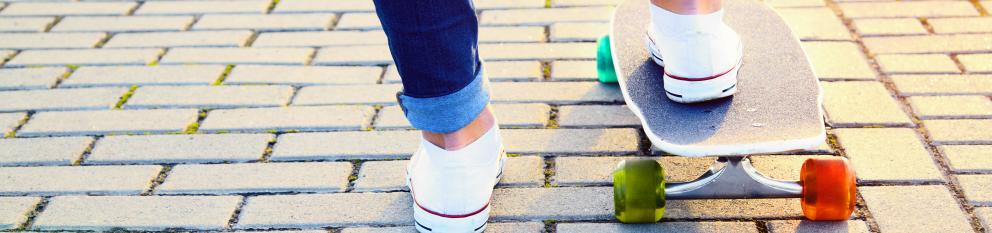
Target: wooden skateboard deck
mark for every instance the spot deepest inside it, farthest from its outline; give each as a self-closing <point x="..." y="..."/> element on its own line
<point x="777" y="107"/>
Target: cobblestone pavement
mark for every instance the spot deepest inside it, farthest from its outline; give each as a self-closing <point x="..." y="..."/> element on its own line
<point x="279" y="115"/>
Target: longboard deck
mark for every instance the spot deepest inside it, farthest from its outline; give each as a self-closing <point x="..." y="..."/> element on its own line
<point x="777" y="107"/>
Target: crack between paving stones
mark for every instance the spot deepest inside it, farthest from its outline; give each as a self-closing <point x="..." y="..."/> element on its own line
<point x="33" y="215"/>
<point x="87" y="151"/>
<point x="162" y="175"/>
<point x="20" y="124"/>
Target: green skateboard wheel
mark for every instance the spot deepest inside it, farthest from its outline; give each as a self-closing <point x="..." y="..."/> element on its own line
<point x="639" y="191"/>
<point x="604" y="61"/>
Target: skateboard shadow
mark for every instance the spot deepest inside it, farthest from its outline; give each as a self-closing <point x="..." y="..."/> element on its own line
<point x="676" y="123"/>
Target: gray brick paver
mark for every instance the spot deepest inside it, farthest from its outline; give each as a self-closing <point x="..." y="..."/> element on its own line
<point x="817" y="23"/>
<point x="506" y="4"/>
<point x="365" y="55"/>
<point x="968" y="158"/>
<point x="251" y="56"/>
<point x="852" y="104"/>
<point x="976" y="62"/>
<point x="256" y="178"/>
<point x="25" y="24"/>
<point x="794" y="3"/>
<point x="509" y="116"/>
<point x="197" y="148"/>
<point x="42" y="151"/>
<point x="961" y="25"/>
<point x="497" y="71"/>
<point x="382" y="176"/>
<point x="537" y="51"/>
<point x="202" y="7"/>
<point x="84" y="57"/>
<point x="929" y="9"/>
<point x="314" y="6"/>
<point x="105" y="213"/>
<point x="267" y="22"/>
<point x="511" y="34"/>
<point x="320" y="210"/>
<point x="700" y="227"/>
<point x="889" y="27"/>
<point x="838" y="61"/>
<point x="523" y="171"/>
<point x="49" y="40"/>
<point x="542" y="17"/>
<point x="555" y="92"/>
<point x="926" y="207"/>
<point x="288" y="118"/>
<point x="358" y="21"/>
<point x="346" y="145"/>
<point x="976" y="189"/>
<point x="319" y="38"/>
<point x="984" y="214"/>
<point x="596" y="116"/>
<point x="958" y="43"/>
<point x="577" y="171"/>
<point x="14" y="211"/>
<point x="916" y="64"/>
<point x="209" y="97"/>
<point x="108" y="122"/>
<point x="9" y="121"/>
<point x="347" y="94"/>
<point x="574" y="32"/>
<point x="938" y="107"/>
<point x="60" y="99"/>
<point x="33" y="78"/>
<point x="909" y="85"/>
<point x="67" y="8"/>
<point x="64" y="180"/>
<point x="959" y="131"/>
<point x="888" y="155"/>
<point x="234" y="38"/>
<point x="126" y="76"/>
<point x="571" y="141"/>
<point x="574" y="71"/>
<point x="785" y="226"/>
<point x="303" y="75"/>
<point x="122" y="23"/>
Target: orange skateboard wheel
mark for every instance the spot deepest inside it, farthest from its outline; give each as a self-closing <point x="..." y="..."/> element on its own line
<point x="829" y="188"/>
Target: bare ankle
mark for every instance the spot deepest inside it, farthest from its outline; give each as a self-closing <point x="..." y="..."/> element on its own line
<point x="466" y="135"/>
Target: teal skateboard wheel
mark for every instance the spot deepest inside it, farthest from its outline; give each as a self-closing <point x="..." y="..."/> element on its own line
<point x="639" y="191"/>
<point x="604" y="61"/>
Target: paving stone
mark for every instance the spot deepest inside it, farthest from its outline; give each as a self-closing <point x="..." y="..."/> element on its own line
<point x="957" y="43"/>
<point x="537" y="51"/>
<point x="42" y="151"/>
<point x="929" y="9"/>
<point x="60" y="99"/>
<point x="568" y="3"/>
<point x="288" y="119"/>
<point x="49" y="40"/>
<point x="349" y="94"/>
<point x="126" y="76"/>
<point x="560" y="93"/>
<point x="303" y="75"/>
<point x="819" y="23"/>
<point x="25" y="24"/>
<point x="783" y="226"/>
<point x="67" y="8"/>
<point x="889" y="27"/>
<point x="511" y="34"/>
<point x="497" y="71"/>
<point x="358" y="21"/>
<point x="196" y="148"/>
<point x="984" y="214"/>
<point x="545" y="16"/>
<point x="916" y="63"/>
<point x="257" y="178"/>
<point x="782" y="167"/>
<point x="74" y="180"/>
<point x="909" y="85"/>
<point x="9" y="121"/>
<point x="346" y="145"/>
<point x="36" y="78"/>
<point x="403" y="229"/>
<point x="938" y="107"/>
<point x="578" y="171"/>
<point x="968" y="158"/>
<point x="137" y="212"/>
<point x="84" y="57"/>
<point x="596" y="116"/>
<point x="319" y="39"/>
<point x="838" y="61"/>
<point x="853" y="104"/>
<point x="794" y="3"/>
<point x="312" y="6"/>
<point x="927" y="207"/>
<point x="574" y="71"/>
<point x="888" y="155"/>
<point x="943" y="132"/>
<point x="122" y="23"/>
<point x="506" y="4"/>
<point x="961" y="25"/>
<point x="571" y="141"/>
<point x="509" y="116"/>
<point x="6" y="54"/>
<point x="576" y="32"/>
<point x="976" y="62"/>
<point x="210" y="97"/>
<point x="700" y="227"/>
<point x="179" y="39"/>
<point x="321" y="210"/>
<point x="202" y="7"/>
<point x="273" y="22"/>
<point x="108" y="122"/>
<point x="523" y="171"/>
<point x="248" y="56"/>
<point x="14" y="211"/>
<point x="354" y="55"/>
<point x="976" y="189"/>
<point x="382" y="176"/>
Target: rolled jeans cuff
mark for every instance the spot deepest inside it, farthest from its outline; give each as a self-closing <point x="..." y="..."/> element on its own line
<point x="448" y="113"/>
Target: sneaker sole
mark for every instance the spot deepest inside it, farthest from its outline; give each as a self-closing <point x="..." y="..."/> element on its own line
<point x="425" y="221"/>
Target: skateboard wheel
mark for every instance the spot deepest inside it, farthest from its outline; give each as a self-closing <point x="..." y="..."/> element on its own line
<point x="639" y="191"/>
<point x="829" y="188"/>
<point x="604" y="61"/>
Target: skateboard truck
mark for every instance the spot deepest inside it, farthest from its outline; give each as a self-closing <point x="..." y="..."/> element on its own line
<point x="826" y="187"/>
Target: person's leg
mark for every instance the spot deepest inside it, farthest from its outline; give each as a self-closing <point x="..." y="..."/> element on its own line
<point x="445" y="94"/>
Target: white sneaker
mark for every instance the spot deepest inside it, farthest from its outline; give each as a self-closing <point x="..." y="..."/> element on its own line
<point x="702" y="55"/>
<point x="452" y="189"/>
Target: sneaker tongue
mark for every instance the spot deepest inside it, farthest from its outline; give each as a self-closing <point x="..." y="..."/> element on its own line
<point x="481" y="152"/>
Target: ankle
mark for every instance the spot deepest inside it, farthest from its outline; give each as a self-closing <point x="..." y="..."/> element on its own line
<point x="466" y="135"/>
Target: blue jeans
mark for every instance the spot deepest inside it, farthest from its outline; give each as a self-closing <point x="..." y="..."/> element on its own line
<point x="434" y="44"/>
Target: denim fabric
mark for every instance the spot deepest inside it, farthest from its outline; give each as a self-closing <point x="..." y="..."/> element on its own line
<point x="434" y="47"/>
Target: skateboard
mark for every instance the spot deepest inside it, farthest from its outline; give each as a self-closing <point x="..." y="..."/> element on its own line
<point x="776" y="109"/>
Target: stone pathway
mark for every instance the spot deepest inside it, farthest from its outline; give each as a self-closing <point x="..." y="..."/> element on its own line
<point x="280" y="115"/>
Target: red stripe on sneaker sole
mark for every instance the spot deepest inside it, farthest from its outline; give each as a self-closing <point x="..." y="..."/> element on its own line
<point x="703" y="78"/>
<point x="446" y="215"/>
